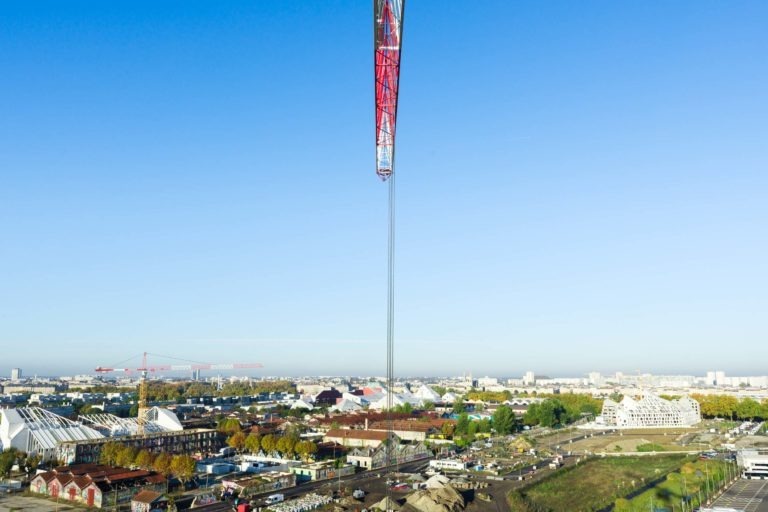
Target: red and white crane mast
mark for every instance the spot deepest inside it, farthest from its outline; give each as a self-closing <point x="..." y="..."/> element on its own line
<point x="388" y="36"/>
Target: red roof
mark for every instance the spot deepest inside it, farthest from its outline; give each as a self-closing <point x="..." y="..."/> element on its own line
<point x="155" y="479"/>
<point x="64" y="479"/>
<point x="147" y="497"/>
<point x="129" y="475"/>
<point x="82" y="481"/>
<point x="370" y="435"/>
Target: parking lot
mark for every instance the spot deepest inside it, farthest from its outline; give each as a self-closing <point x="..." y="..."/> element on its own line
<point x="16" y="503"/>
<point x="746" y="495"/>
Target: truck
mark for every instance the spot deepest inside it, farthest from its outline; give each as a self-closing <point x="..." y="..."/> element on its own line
<point x="274" y="498"/>
<point x="227" y="451"/>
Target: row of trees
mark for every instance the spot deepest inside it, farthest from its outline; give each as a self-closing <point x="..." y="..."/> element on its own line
<point x="556" y="410"/>
<point x="726" y="406"/>
<point x="118" y="454"/>
<point x="489" y="396"/>
<point x="178" y="391"/>
<point x="288" y="445"/>
<point x="465" y="430"/>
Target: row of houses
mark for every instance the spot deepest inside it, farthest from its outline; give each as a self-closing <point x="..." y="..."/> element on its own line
<point x="96" y="485"/>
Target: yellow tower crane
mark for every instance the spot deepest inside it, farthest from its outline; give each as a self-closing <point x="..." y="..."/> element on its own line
<point x="145" y="369"/>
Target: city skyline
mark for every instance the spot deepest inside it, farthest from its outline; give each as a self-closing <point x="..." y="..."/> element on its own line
<point x="582" y="187"/>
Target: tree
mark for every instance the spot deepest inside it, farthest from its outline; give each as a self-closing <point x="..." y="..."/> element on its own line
<point x="551" y="412"/>
<point x="531" y="416"/>
<point x="126" y="456"/>
<point x="162" y="464"/>
<point x="109" y="453"/>
<point x="748" y="409"/>
<point x="472" y="429"/>
<point x="229" y="426"/>
<point x="406" y="408"/>
<point x="268" y="443"/>
<point x="462" y="424"/>
<point x="31" y="462"/>
<point x="285" y="445"/>
<point x="253" y="443"/>
<point x="458" y="406"/>
<point x="440" y="390"/>
<point x="237" y="441"/>
<point x="447" y="429"/>
<point x="7" y="460"/>
<point x="183" y="466"/>
<point x="305" y="449"/>
<point x="504" y="420"/>
<point x="428" y="405"/>
<point x="144" y="459"/>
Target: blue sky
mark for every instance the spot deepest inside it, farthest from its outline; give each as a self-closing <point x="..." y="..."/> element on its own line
<point x="581" y="186"/>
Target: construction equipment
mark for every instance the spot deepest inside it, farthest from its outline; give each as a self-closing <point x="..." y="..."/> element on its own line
<point x="388" y="35"/>
<point x="145" y="369"/>
<point x="387" y="41"/>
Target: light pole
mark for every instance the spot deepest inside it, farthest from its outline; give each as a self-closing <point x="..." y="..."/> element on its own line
<point x="709" y="492"/>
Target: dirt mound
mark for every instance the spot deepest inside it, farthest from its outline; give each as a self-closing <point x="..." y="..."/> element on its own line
<point x="443" y="499"/>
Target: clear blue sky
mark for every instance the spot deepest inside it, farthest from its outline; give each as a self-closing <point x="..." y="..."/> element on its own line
<point x="582" y="186"/>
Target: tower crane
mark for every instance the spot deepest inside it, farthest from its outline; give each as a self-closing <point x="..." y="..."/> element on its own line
<point x="145" y="369"/>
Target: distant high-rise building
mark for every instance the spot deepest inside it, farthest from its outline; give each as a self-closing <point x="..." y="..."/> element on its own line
<point x="716" y="378"/>
<point x="15" y="373"/>
<point x="487" y="381"/>
<point x="595" y="379"/>
<point x="529" y="379"/>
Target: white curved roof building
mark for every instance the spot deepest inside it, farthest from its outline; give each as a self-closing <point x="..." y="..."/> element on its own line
<point x="649" y="412"/>
<point x="157" y="420"/>
<point x="36" y="430"/>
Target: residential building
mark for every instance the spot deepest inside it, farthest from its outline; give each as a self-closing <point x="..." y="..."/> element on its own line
<point x="95" y="485"/>
<point x="650" y="411"/>
<point x="355" y="438"/>
<point x="324" y="470"/>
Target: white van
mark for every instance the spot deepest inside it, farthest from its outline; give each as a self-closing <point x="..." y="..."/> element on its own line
<point x="274" y="498"/>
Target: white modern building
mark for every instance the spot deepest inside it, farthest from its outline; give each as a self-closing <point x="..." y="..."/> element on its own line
<point x="449" y="464"/>
<point x="650" y="412"/>
<point x="753" y="463"/>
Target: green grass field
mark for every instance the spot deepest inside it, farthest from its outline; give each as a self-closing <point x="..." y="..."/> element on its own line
<point x="594" y="484"/>
<point x="692" y="484"/>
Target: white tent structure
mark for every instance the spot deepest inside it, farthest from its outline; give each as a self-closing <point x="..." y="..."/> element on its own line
<point x="449" y="397"/>
<point x="302" y="404"/>
<point x="35" y="430"/>
<point x="426" y="393"/>
<point x="346" y="406"/>
<point x="157" y="419"/>
<point x="650" y="411"/>
<point x="398" y="399"/>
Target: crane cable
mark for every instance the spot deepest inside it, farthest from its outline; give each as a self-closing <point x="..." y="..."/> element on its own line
<point x="390" y="325"/>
